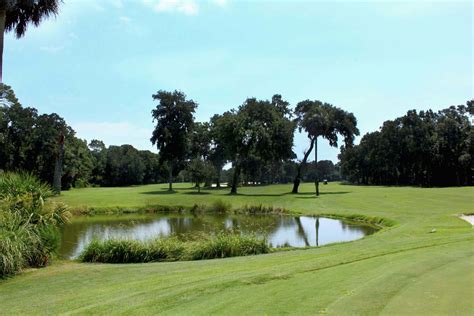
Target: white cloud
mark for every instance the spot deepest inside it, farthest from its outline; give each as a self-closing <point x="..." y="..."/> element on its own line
<point x="188" y="7"/>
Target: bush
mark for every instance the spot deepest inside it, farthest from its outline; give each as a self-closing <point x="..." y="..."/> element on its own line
<point x="224" y="246"/>
<point x="262" y="209"/>
<point x="172" y="249"/>
<point x="29" y="232"/>
<point x="220" y="206"/>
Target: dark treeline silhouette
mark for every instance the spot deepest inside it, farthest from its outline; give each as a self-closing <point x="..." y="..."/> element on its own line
<point x="420" y="148"/>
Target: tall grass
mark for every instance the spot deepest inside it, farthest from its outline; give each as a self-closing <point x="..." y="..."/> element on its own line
<point x="172" y="249"/>
<point x="28" y="224"/>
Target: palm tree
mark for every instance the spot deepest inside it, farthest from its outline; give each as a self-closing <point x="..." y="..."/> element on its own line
<point x="16" y="14"/>
<point x="324" y="120"/>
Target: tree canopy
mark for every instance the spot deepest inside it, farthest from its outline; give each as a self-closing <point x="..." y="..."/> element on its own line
<point x="318" y="119"/>
<point x="174" y="117"/>
<point x="420" y="148"/>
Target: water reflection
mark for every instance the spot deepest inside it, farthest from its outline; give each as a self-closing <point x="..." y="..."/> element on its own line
<point x="280" y="231"/>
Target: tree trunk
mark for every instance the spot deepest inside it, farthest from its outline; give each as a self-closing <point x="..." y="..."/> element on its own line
<point x="316" y="181"/>
<point x="297" y="181"/>
<point x="170" y="177"/>
<point x="301" y="232"/>
<point x="58" y="166"/>
<point x="2" y="34"/>
<point x="199" y="188"/>
<point x="218" y="179"/>
<point x="235" y="178"/>
<point x="317" y="231"/>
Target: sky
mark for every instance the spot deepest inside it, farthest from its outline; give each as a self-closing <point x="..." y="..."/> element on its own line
<point x="98" y="63"/>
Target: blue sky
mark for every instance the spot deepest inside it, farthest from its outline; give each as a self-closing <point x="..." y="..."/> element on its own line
<point x="98" y="63"/>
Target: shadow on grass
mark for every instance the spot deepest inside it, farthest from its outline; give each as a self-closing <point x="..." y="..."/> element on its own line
<point x="191" y="191"/>
<point x="159" y="192"/>
<point x="300" y="195"/>
<point x="197" y="193"/>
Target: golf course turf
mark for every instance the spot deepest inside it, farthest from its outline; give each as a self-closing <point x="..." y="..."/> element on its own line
<point x="423" y="264"/>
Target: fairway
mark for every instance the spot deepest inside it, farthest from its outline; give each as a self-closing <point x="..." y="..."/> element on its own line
<point x="421" y="265"/>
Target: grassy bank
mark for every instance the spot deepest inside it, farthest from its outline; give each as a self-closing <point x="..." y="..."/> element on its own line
<point x="406" y="268"/>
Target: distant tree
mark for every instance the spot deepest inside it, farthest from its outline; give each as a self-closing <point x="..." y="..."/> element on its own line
<point x="16" y="129"/>
<point x="152" y="166"/>
<point x="420" y="148"/>
<point x="78" y="164"/>
<point x="29" y="142"/>
<point x="324" y="120"/>
<point x="99" y="153"/>
<point x="200" y="140"/>
<point x="15" y="15"/>
<point x="325" y="168"/>
<point x="260" y="128"/>
<point x="222" y="139"/>
<point x="200" y="171"/>
<point x="174" y="122"/>
<point x="124" y="166"/>
<point x="50" y="133"/>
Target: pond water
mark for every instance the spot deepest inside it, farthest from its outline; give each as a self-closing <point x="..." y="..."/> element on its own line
<point x="280" y="231"/>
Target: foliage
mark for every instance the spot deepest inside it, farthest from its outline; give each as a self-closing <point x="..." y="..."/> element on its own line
<point x="17" y="14"/>
<point x="124" y="166"/>
<point x="200" y="171"/>
<point x="174" y="122"/>
<point x="221" y="206"/>
<point x="28" y="142"/>
<point x="425" y="148"/>
<point x="20" y="13"/>
<point x="28" y="224"/>
<point x="324" y="120"/>
<point x="172" y="249"/>
<point x="227" y="245"/>
<point x="259" y="131"/>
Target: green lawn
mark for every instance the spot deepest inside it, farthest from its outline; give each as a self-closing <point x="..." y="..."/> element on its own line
<point x="404" y="269"/>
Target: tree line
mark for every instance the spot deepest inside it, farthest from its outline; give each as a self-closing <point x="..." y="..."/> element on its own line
<point x="255" y="138"/>
<point x="30" y="142"/>
<point x="423" y="148"/>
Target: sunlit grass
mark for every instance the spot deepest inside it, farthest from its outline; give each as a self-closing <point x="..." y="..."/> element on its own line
<point x="427" y="254"/>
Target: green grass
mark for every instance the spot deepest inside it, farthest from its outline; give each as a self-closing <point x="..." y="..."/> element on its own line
<point x="403" y="269"/>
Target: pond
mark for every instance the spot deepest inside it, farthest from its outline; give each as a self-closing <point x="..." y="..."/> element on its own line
<point x="280" y="231"/>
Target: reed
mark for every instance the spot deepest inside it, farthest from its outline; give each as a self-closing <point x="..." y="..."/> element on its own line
<point x="173" y="249"/>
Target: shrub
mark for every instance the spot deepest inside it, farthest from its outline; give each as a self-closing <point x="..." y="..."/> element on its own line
<point x="262" y="209"/>
<point x="230" y="245"/>
<point x="172" y="249"/>
<point x="28" y="225"/>
<point x="220" y="206"/>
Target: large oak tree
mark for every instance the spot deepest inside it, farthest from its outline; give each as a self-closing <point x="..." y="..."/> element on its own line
<point x="174" y="116"/>
<point x="323" y="120"/>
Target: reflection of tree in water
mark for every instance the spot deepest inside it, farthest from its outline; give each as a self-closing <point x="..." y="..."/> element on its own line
<point x="358" y="228"/>
<point x="255" y="224"/>
<point x="301" y="231"/>
<point x="298" y="229"/>
<point x="317" y="231"/>
<point x="73" y="233"/>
